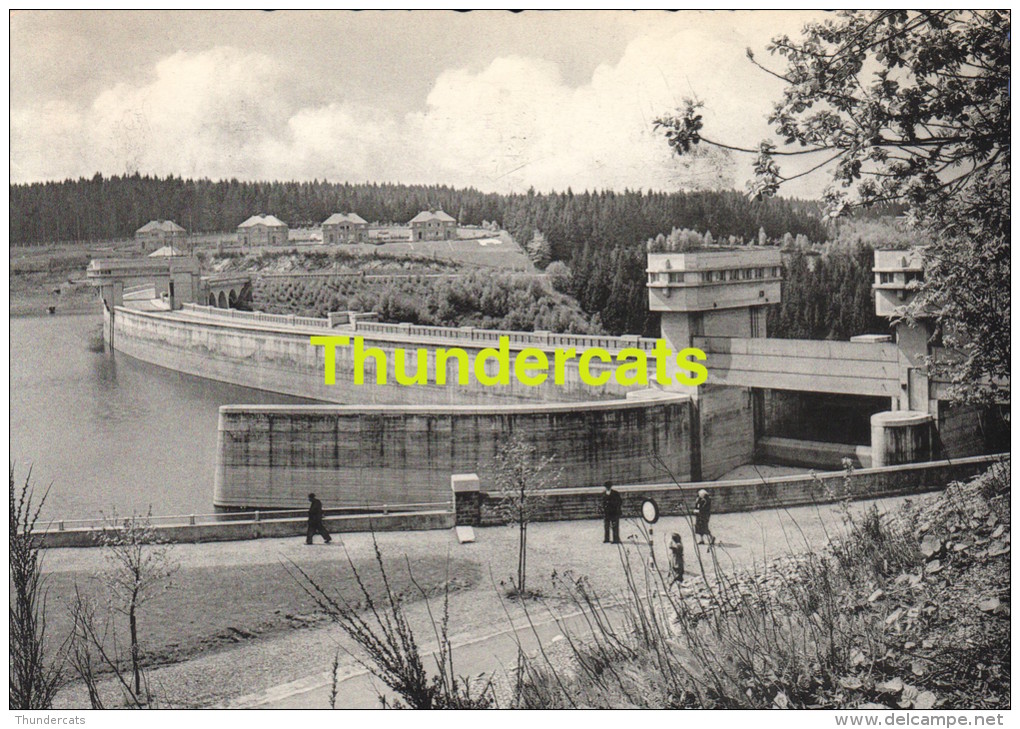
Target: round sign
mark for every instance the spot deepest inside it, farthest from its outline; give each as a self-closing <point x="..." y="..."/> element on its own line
<point x="650" y="511"/>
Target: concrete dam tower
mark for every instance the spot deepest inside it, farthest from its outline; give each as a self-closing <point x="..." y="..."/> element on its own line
<point x="806" y="403"/>
<point x="703" y="295"/>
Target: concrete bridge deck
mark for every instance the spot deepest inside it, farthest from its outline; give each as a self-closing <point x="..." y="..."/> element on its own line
<point x="849" y="368"/>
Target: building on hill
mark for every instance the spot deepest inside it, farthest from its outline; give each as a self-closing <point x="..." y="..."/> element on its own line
<point x="262" y="230"/>
<point x="340" y="228"/>
<point x="158" y="233"/>
<point x="429" y="225"/>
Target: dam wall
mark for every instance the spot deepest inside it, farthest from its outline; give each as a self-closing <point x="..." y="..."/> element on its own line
<point x="272" y="456"/>
<point x="273" y="353"/>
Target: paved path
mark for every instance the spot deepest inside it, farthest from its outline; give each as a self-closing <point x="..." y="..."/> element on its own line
<point x="292" y="669"/>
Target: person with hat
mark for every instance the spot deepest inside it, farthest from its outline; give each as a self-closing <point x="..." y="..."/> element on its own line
<point x="315" y="523"/>
<point x="702" y="513"/>
<point x="612" y="508"/>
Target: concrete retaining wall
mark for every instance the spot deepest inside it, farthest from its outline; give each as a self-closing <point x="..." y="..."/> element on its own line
<point x="479" y="508"/>
<point x="228" y="531"/>
<point x="271" y="456"/>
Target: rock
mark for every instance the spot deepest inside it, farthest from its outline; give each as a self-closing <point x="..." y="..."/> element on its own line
<point x="990" y="605"/>
<point x="892" y="686"/>
<point x="931" y="546"/>
<point x="997" y="549"/>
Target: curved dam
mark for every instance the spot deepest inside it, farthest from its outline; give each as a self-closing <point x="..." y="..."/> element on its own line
<point x="366" y="457"/>
<point x="273" y="353"/>
<point x="391" y="445"/>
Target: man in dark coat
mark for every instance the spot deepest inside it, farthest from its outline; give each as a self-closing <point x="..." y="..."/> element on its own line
<point x="612" y="507"/>
<point x="315" y="525"/>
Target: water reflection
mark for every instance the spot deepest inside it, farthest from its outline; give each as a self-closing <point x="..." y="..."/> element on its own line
<point x="109" y="433"/>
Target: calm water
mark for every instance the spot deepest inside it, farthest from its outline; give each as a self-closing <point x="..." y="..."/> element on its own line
<point x="110" y="432"/>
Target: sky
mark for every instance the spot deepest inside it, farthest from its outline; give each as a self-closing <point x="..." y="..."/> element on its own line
<point x="493" y="100"/>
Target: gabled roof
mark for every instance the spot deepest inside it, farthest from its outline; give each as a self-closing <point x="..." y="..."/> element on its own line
<point x="425" y="216"/>
<point x="165" y="252"/>
<point x="341" y="218"/>
<point x="270" y="221"/>
<point x="167" y="226"/>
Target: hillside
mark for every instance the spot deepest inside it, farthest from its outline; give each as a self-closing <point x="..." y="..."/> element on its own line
<point x="907" y="610"/>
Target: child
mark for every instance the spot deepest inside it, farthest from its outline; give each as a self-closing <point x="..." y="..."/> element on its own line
<point x="676" y="560"/>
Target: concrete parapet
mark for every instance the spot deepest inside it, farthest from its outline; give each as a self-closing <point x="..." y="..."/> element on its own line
<point x="750" y="494"/>
<point x="235" y="530"/>
<point x="272" y="352"/>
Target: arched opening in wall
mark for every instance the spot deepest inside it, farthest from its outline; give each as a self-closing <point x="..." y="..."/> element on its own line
<point x="232" y="301"/>
<point x="212" y="299"/>
<point x="222" y="300"/>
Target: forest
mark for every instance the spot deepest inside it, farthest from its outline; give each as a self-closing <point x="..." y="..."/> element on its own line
<point x="104" y="208"/>
<point x="592" y="243"/>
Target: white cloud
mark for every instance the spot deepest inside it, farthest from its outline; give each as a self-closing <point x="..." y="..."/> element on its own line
<point x="515" y="123"/>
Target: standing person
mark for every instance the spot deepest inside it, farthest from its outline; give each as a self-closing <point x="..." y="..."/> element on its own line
<point x="612" y="507"/>
<point x="676" y="559"/>
<point x="315" y="525"/>
<point x="702" y="513"/>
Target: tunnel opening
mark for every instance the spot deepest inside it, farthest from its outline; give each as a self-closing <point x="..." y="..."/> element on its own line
<point x="814" y="430"/>
<point x="817" y="416"/>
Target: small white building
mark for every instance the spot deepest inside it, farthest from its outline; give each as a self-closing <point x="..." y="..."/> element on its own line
<point x="433" y="225"/>
<point x="340" y="228"/>
<point x="263" y="230"/>
<point x="157" y="233"/>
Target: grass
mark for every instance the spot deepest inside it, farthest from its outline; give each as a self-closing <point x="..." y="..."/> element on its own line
<point x="210" y="608"/>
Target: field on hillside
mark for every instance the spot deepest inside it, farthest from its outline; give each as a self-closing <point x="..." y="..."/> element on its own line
<point x="475" y="248"/>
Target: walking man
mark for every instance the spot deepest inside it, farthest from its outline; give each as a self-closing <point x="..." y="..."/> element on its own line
<point x="315" y="525"/>
<point x="612" y="507"/>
